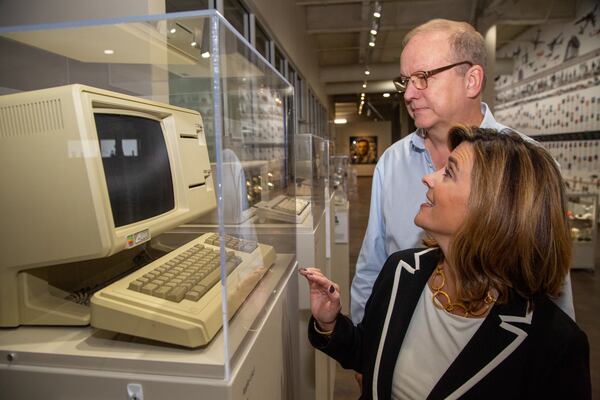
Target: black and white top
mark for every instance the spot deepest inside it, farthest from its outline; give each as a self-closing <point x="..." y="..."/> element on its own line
<point x="516" y="352"/>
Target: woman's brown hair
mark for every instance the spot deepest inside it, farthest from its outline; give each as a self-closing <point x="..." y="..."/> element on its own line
<point x="516" y="234"/>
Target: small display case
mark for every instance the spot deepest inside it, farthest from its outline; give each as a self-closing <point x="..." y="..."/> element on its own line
<point x="582" y="213"/>
<point x="339" y="178"/>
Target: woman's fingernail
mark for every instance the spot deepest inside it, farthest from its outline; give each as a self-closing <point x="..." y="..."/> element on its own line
<point x="331" y="289"/>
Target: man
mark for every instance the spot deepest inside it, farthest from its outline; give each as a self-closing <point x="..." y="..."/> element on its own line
<point x="442" y="69"/>
<point x="363" y="153"/>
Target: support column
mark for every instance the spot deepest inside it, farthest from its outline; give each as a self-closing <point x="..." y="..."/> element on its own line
<point x="488" y="92"/>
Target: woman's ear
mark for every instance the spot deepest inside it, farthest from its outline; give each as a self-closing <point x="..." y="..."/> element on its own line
<point x="474" y="81"/>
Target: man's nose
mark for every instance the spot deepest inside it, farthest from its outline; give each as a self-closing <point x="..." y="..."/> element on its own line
<point x="411" y="91"/>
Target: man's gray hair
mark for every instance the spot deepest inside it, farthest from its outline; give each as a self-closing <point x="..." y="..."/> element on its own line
<point x="466" y="44"/>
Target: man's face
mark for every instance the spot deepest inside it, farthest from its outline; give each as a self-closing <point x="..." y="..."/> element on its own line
<point x="362" y="148"/>
<point x="440" y="104"/>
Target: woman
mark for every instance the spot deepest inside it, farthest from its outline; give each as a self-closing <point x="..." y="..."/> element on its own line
<point x="470" y="315"/>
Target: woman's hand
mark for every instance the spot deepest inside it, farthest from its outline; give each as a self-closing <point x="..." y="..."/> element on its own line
<point x="325" y="302"/>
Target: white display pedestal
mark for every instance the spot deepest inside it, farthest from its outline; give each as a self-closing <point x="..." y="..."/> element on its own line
<point x="340" y="258"/>
<point x="86" y="363"/>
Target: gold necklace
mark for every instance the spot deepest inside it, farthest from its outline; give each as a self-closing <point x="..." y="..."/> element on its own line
<point x="450" y="305"/>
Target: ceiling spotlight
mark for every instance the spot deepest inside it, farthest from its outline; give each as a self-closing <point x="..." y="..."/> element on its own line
<point x="377" y="10"/>
<point x="206" y="54"/>
<point x="373" y="32"/>
<point x="371" y="43"/>
<point x="386" y="95"/>
<point x="194" y="43"/>
<point x="367" y="72"/>
<point x="173" y="30"/>
<point x="340" y="121"/>
<point x="364" y="85"/>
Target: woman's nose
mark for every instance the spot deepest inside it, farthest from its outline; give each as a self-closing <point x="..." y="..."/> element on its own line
<point x="428" y="180"/>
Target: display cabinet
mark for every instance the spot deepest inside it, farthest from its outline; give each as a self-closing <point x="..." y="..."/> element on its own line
<point x="339" y="178"/>
<point x="115" y="134"/>
<point x="582" y="214"/>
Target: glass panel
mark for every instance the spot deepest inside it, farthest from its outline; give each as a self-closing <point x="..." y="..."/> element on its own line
<point x="144" y="293"/>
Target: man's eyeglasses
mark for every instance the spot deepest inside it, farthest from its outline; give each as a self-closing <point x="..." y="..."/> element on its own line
<point x="419" y="78"/>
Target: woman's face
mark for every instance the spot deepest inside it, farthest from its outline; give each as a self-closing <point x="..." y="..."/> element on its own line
<point x="447" y="195"/>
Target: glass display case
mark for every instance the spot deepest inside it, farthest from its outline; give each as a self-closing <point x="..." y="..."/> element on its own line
<point x="310" y="158"/>
<point x="339" y="178"/>
<point x="116" y="134"/>
<point x="582" y="213"/>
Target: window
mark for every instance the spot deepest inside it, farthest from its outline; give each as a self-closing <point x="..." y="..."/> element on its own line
<point x="186" y="5"/>
<point x="237" y="15"/>
<point x="261" y="40"/>
<point x="279" y="61"/>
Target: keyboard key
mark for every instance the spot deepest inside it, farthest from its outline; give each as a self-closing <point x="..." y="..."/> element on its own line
<point x="177" y="294"/>
<point x="162" y="291"/>
<point x="136" y="285"/>
<point x="149" y="288"/>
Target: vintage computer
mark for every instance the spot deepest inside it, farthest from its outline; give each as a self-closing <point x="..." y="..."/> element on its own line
<point x="89" y="177"/>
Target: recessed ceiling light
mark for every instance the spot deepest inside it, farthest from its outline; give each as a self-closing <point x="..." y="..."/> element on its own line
<point x="373" y="32"/>
<point x="109" y="52"/>
<point x="386" y="95"/>
<point x="367" y="72"/>
<point x="173" y="30"/>
<point x="206" y="54"/>
<point x="340" y="121"/>
<point x="371" y="44"/>
<point x="194" y="44"/>
<point x="364" y="85"/>
<point x="377" y="14"/>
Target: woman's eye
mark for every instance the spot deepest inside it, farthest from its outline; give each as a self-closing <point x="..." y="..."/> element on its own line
<point x="446" y="172"/>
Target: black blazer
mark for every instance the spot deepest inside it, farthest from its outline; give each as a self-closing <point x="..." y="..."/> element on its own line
<point x="515" y="353"/>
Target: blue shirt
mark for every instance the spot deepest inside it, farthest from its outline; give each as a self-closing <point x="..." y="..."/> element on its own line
<point x="396" y="194"/>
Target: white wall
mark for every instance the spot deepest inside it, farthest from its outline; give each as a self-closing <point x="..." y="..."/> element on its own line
<point x="382" y="130"/>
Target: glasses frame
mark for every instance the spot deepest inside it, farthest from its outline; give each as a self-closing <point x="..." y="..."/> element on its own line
<point x="424" y="75"/>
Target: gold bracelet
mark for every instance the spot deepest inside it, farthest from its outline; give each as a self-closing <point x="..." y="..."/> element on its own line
<point x="320" y="332"/>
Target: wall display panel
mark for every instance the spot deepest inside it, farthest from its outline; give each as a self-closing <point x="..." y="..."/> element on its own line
<point x="553" y="93"/>
<point x="114" y="134"/>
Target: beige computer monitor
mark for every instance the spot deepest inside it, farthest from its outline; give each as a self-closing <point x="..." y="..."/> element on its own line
<point x="72" y="191"/>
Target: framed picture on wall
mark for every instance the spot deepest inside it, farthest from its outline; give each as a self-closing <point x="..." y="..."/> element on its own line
<point x="363" y="149"/>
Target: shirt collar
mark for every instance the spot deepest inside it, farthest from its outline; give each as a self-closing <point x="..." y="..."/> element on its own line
<point x="417" y="141"/>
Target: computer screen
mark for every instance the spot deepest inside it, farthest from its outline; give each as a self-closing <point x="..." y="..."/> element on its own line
<point x="130" y="146"/>
<point x="86" y="174"/>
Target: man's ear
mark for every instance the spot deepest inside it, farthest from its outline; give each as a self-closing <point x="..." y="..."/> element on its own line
<point x="474" y="81"/>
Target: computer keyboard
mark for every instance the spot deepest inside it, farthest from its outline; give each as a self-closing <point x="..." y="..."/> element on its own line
<point x="283" y="208"/>
<point x="291" y="205"/>
<point x="177" y="298"/>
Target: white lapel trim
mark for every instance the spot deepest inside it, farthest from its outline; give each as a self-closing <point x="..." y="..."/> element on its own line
<point x="401" y="265"/>
<point x="521" y="335"/>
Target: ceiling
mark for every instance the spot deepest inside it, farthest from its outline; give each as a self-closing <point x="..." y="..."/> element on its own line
<point x="340" y="31"/>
